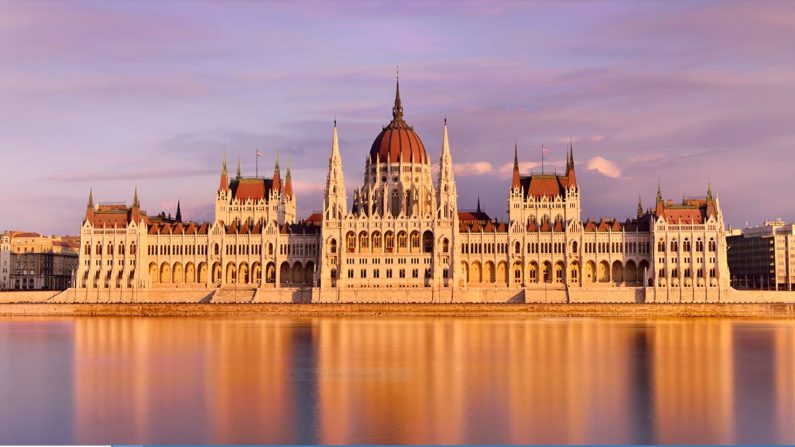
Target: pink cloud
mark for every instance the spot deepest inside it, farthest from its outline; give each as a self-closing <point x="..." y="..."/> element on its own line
<point x="604" y="167"/>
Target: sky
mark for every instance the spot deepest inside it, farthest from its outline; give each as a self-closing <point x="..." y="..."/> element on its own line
<point x="115" y="95"/>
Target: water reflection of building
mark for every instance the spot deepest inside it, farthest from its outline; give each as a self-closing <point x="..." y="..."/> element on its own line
<point x="693" y="379"/>
<point x="784" y="363"/>
<point x="431" y="380"/>
<point x="453" y="381"/>
<point x="140" y="380"/>
<point x="388" y="382"/>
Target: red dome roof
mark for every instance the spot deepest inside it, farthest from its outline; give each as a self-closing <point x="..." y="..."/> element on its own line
<point x="398" y="140"/>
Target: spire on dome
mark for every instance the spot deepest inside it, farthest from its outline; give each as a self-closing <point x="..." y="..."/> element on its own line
<point x="90" y="198"/>
<point x="478" y="208"/>
<point x="179" y="213"/>
<point x="397" y="110"/>
<point x="659" y="193"/>
<point x="516" y="181"/>
<point x="135" y="199"/>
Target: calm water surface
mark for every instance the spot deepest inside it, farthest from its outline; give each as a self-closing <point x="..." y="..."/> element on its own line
<point x="430" y="380"/>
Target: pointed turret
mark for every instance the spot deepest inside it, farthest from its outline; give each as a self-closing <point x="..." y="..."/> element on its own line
<point x="136" y="207"/>
<point x="238" y="166"/>
<point x="659" y="208"/>
<point x="516" y="183"/>
<point x="224" y="184"/>
<point x="445" y="187"/>
<point x="709" y="191"/>
<point x="478" y="207"/>
<point x="570" y="173"/>
<point x="288" y="183"/>
<point x="335" y="202"/>
<point x="277" y="179"/>
<point x="90" y="206"/>
<point x="178" y="217"/>
<point x="640" y="207"/>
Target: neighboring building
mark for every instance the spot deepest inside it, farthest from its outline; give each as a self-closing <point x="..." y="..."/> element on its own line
<point x="37" y="262"/>
<point x="763" y="257"/>
<point x="404" y="230"/>
<point x="5" y="261"/>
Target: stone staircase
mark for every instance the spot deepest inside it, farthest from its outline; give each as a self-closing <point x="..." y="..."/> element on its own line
<point x="234" y="295"/>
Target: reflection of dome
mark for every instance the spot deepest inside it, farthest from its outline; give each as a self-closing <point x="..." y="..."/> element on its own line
<point x="398" y="140"/>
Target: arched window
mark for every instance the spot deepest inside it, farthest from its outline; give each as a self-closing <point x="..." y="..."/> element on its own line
<point x="395" y="203"/>
<point x="351" y="242"/>
<point x="99" y="249"/>
<point x="427" y="242"/>
<point x="686" y="245"/>
<point x="574" y="247"/>
<point x="87" y="249"/>
<point x="415" y="239"/>
<point x="712" y="244"/>
<point x="445" y="245"/>
<point x="121" y="248"/>
<point x="132" y="248"/>
<point x="332" y="246"/>
<point x="517" y="248"/>
<point x="674" y="246"/>
<point x="660" y="245"/>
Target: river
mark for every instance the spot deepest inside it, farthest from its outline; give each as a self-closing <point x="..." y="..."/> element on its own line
<point x="446" y="380"/>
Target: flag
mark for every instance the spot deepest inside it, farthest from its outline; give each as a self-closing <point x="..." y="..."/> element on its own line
<point x="545" y="149"/>
<point x="259" y="153"/>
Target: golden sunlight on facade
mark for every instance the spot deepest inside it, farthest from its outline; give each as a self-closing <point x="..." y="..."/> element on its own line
<point x="405" y="240"/>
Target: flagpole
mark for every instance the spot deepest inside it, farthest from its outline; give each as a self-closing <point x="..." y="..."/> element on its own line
<point x="256" y="163"/>
<point x="542" y="159"/>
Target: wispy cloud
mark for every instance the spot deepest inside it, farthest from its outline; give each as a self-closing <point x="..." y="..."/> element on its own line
<point x="472" y="168"/>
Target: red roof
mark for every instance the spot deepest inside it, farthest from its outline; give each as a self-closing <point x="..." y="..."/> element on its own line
<point x="473" y="216"/>
<point x="398" y="141"/>
<point x="544" y="185"/>
<point x="250" y="188"/>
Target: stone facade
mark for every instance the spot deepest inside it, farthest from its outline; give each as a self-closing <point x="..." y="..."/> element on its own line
<point x="30" y="261"/>
<point x="405" y="240"/>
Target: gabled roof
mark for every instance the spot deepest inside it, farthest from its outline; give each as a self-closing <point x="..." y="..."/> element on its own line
<point x="250" y="188"/>
<point x="544" y="185"/>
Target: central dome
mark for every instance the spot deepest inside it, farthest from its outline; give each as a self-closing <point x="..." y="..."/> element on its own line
<point x="398" y="141"/>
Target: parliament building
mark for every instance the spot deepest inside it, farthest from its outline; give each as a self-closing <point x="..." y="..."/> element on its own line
<point x="403" y="239"/>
